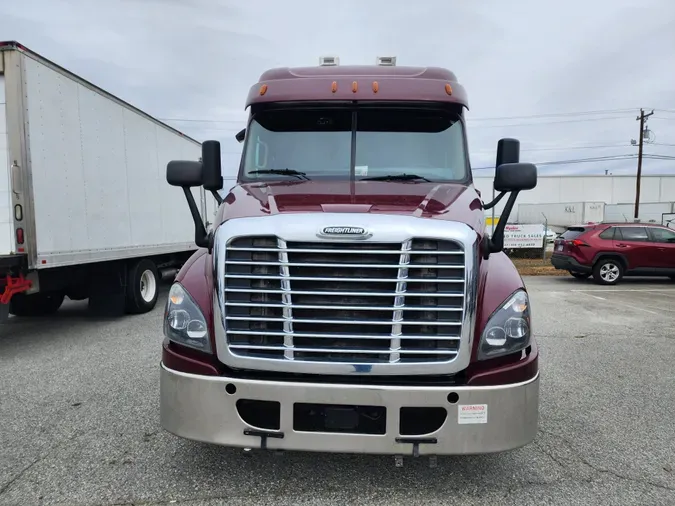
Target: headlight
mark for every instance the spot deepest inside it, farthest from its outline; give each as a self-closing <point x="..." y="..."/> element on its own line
<point x="508" y="329"/>
<point x="184" y="322"/>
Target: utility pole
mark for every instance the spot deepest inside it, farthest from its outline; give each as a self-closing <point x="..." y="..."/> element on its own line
<point x="641" y="118"/>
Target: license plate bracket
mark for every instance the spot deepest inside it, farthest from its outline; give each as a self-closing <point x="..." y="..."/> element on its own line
<point x="339" y="418"/>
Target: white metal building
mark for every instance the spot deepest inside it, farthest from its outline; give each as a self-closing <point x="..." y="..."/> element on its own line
<point x="607" y="189"/>
<point x="592" y="189"/>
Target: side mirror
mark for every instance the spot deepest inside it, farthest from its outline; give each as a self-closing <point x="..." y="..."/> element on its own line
<point x="206" y="172"/>
<point x="241" y="135"/>
<point x="184" y="173"/>
<point x="212" y="178"/>
<point x="513" y="177"/>
<point x="508" y="151"/>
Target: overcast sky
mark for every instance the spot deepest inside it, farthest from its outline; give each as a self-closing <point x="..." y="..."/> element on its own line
<point x="196" y="59"/>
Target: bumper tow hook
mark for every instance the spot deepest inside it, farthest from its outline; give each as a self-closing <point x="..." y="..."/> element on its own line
<point x="263" y="435"/>
<point x="416" y="442"/>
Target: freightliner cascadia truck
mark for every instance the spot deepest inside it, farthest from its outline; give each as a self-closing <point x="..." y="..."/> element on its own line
<point x="85" y="211"/>
<point x="348" y="297"/>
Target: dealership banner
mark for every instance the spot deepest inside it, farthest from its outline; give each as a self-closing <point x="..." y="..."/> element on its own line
<point x="524" y="236"/>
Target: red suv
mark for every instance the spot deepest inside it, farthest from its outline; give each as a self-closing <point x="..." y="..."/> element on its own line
<point x="610" y="251"/>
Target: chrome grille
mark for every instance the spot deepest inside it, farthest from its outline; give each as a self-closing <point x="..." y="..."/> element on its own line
<point x="354" y="302"/>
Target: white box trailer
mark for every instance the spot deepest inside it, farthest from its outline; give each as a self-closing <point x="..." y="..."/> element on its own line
<point x="562" y="214"/>
<point x="648" y="212"/>
<point x="85" y="210"/>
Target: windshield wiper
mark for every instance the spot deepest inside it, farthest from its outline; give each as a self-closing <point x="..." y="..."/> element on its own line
<point x="396" y="177"/>
<point x="282" y="172"/>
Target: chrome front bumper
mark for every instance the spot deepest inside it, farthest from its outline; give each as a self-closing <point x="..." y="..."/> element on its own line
<point x="499" y="417"/>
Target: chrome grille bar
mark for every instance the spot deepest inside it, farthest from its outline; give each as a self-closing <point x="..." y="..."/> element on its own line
<point x="356" y="280"/>
<point x="395" y="321"/>
<point x="346" y="266"/>
<point x="350" y="308"/>
<point x="344" y="294"/>
<point x="399" y="303"/>
<point x="286" y="299"/>
<point x="359" y="351"/>
<point x="341" y="336"/>
<point x="312" y="250"/>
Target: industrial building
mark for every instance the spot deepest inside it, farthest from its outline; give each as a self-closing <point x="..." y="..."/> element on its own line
<point x="561" y="201"/>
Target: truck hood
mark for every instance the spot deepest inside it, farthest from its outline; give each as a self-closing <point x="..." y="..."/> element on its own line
<point x="444" y="201"/>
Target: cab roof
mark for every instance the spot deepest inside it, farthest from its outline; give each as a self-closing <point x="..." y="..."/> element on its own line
<point x="358" y="83"/>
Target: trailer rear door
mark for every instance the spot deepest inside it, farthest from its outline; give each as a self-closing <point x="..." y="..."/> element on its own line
<point x="6" y="219"/>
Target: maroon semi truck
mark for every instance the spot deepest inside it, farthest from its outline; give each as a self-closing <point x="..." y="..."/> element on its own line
<point x="348" y="297"/>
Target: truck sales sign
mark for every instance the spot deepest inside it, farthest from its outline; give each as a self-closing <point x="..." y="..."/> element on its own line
<point x="524" y="236"/>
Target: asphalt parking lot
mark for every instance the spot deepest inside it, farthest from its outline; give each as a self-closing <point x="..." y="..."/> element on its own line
<point x="79" y="419"/>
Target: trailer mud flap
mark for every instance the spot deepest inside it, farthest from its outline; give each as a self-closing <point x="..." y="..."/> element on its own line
<point x="4" y="313"/>
<point x="107" y="286"/>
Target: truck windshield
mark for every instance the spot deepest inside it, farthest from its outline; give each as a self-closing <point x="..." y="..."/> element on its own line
<point x="317" y="144"/>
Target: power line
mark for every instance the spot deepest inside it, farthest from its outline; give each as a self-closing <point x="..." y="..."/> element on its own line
<point x="658" y="109"/>
<point x="498" y="118"/>
<point x="567" y="114"/>
<point x="577" y="119"/>
<point x="573" y="161"/>
<point x="610" y="158"/>
<point x="507" y="125"/>
<point x="494" y="118"/>
<point x="539" y="123"/>
<point x="659" y="157"/>
<point x="568" y="148"/>
<point x="194" y="120"/>
<point x="557" y="115"/>
<point x="605" y="146"/>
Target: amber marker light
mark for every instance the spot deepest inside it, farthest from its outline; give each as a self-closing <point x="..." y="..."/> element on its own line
<point x="177" y="298"/>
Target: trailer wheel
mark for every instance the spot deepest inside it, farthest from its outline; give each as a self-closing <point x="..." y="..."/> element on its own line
<point x="142" y="286"/>
<point x="36" y="304"/>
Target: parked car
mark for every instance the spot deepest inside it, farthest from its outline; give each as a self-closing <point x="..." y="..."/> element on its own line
<point x="550" y="236"/>
<point x="610" y="251"/>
